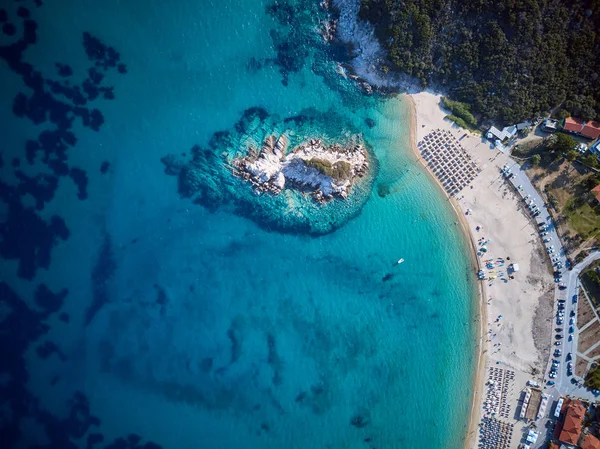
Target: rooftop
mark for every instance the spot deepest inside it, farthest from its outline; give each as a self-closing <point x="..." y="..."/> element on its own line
<point x="574" y="125"/>
<point x="591" y="130"/>
<point x="590" y="442"/>
<point x="571" y="427"/>
<point x="596" y="192"/>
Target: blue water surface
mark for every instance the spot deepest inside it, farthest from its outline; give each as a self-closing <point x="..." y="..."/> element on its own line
<point x="196" y="327"/>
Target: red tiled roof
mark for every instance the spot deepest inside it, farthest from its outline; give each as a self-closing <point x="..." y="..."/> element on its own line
<point x="572" y="424"/>
<point x="591" y="442"/>
<point x="596" y="192"/>
<point x="575" y="125"/>
<point x="591" y="130"/>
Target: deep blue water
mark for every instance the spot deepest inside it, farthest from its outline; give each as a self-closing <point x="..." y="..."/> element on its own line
<point x="229" y="320"/>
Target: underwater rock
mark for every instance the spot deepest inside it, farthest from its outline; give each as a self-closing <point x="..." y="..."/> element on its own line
<point x="173" y="164"/>
<point x="360" y="420"/>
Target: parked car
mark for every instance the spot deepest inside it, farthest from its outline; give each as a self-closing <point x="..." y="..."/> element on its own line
<point x="569" y="356"/>
<point x="559" y="336"/>
<point x="558" y="343"/>
<point x="574" y="298"/>
<point x="570" y="337"/>
<point x="550" y="382"/>
<point x="571" y="329"/>
<point x="572" y="313"/>
<point x="557" y="352"/>
<point x="562" y="285"/>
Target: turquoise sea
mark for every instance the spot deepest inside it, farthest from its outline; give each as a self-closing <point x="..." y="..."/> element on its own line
<point x="220" y="324"/>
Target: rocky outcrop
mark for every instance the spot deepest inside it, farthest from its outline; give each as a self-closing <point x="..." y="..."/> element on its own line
<point x="324" y="171"/>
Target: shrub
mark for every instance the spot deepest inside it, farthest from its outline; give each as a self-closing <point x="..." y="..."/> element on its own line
<point x="460" y="122"/>
<point x="461" y="110"/>
<point x="339" y="171"/>
<point x="592" y="380"/>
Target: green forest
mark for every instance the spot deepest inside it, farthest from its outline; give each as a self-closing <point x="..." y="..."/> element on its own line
<point x="509" y="59"/>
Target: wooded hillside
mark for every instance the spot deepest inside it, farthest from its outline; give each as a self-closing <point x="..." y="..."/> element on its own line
<point x="510" y="59"/>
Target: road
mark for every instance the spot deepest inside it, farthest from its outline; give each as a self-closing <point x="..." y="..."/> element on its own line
<point x="563" y="382"/>
<point x="563" y="385"/>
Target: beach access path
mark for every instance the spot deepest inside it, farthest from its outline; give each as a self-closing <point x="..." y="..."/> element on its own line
<point x="515" y="314"/>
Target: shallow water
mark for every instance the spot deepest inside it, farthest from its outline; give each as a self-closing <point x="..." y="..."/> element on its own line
<point x="203" y="328"/>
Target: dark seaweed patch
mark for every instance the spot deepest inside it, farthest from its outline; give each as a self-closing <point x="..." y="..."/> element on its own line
<point x="48" y="348"/>
<point x="41" y="187"/>
<point x="27" y="237"/>
<point x="48" y="301"/>
<point x="23" y="12"/>
<point x="63" y="69"/>
<point x="80" y="179"/>
<point x="9" y="29"/>
<point x="290" y="41"/>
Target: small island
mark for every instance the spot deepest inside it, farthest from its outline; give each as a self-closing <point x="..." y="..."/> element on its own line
<point x="324" y="171"/>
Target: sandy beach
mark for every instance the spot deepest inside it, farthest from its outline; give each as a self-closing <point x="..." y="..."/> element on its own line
<point x="512" y="342"/>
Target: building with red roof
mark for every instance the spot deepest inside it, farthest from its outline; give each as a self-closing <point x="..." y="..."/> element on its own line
<point x="572" y="424"/>
<point x="590" y="442"/>
<point x="596" y="193"/>
<point x="573" y="125"/>
<point x="591" y="130"/>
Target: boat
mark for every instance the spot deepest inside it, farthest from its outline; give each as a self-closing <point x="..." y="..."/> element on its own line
<point x="401" y="260"/>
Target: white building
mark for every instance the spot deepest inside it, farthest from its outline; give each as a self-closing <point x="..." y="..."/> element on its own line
<point x="550" y="125"/>
<point x="506" y="133"/>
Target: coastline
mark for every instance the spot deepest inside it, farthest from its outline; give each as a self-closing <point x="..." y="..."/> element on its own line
<point x="478" y="375"/>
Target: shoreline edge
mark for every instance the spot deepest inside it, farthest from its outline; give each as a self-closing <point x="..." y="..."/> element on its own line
<point x="478" y="375"/>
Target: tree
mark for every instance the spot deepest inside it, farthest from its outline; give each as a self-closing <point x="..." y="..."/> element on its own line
<point x="591" y="160"/>
<point x="536" y="159"/>
<point x="571" y="155"/>
<point x="564" y="143"/>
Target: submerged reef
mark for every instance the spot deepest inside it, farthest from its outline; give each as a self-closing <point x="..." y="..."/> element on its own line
<point x="315" y="188"/>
